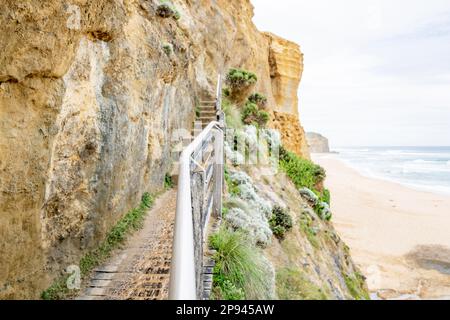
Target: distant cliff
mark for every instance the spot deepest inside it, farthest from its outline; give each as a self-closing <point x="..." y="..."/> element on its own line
<point x="317" y="143"/>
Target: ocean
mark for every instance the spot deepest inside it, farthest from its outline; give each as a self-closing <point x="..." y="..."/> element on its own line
<point x="422" y="168"/>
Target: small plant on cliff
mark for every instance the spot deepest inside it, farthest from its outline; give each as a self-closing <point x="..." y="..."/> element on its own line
<point x="167" y="10"/>
<point x="251" y="115"/>
<point x="168" y="182"/>
<point x="280" y="222"/>
<point x="239" y="78"/>
<point x="302" y="172"/>
<point x="167" y="48"/>
<point x="258" y="99"/>
<point x="238" y="273"/>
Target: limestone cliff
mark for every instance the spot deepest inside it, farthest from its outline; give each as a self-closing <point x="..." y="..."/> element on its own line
<point x="317" y="143"/>
<point x="286" y="69"/>
<point x="89" y="99"/>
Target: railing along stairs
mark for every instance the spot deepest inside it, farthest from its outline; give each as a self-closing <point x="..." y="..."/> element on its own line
<point x="199" y="207"/>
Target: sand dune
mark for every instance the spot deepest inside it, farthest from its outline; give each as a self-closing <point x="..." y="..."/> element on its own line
<point x="400" y="237"/>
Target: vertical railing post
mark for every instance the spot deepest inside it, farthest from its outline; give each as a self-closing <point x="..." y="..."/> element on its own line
<point x="219" y="93"/>
<point x="218" y="171"/>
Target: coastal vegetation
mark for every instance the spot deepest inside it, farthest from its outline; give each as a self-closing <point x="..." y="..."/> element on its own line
<point x="252" y="115"/>
<point x="239" y="272"/>
<point x="237" y="79"/>
<point x="258" y="99"/>
<point x="308" y="177"/>
<point x="280" y="222"/>
<point x="302" y="172"/>
<point x="132" y="221"/>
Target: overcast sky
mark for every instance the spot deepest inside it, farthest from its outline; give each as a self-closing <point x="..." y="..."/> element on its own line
<point x="377" y="72"/>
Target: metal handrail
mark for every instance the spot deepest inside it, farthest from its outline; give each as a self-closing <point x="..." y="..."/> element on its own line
<point x="183" y="273"/>
<point x="183" y="268"/>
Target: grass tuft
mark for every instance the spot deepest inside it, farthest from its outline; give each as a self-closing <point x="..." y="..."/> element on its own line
<point x="239" y="272"/>
<point x="232" y="114"/>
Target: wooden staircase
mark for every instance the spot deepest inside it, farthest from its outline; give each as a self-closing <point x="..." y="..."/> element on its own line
<point x="208" y="113"/>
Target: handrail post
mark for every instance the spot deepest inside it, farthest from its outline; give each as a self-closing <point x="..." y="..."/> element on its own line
<point x="218" y="167"/>
<point x="219" y="93"/>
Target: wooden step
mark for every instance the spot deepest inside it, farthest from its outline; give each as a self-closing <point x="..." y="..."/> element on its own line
<point x="207" y="113"/>
<point x="207" y="107"/>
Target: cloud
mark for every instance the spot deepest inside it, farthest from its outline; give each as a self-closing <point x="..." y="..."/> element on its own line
<point x="376" y="72"/>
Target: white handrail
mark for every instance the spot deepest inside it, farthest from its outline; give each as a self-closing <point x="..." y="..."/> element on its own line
<point x="183" y="266"/>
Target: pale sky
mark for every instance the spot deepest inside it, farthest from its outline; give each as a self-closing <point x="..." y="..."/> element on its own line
<point x="377" y="72"/>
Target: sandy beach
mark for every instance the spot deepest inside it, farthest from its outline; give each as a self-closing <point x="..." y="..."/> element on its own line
<point x="399" y="237"/>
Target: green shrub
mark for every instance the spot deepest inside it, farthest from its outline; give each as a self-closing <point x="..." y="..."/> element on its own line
<point x="258" y="99"/>
<point x="238" y="79"/>
<point x="302" y="172"/>
<point x="280" y="222"/>
<point x="251" y="115"/>
<point x="238" y="266"/>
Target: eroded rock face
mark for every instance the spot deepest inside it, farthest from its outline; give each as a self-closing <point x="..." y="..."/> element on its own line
<point x="317" y="143"/>
<point x="89" y="101"/>
<point x="286" y="69"/>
